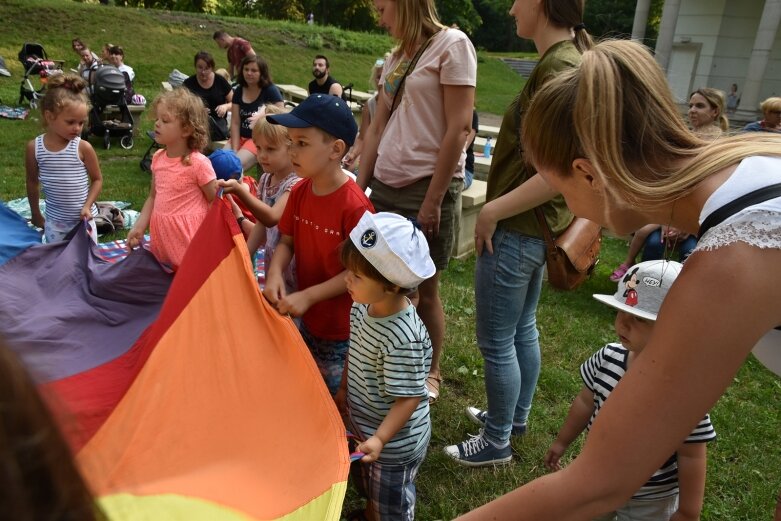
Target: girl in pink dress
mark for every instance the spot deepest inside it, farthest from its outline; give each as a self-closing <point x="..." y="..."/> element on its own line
<point x="183" y="180"/>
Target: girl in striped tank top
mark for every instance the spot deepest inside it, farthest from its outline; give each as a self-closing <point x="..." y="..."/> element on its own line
<point x="63" y="164"/>
<point x="183" y="180"/>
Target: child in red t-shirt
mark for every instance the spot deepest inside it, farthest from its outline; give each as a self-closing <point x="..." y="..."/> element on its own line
<point x="320" y="213"/>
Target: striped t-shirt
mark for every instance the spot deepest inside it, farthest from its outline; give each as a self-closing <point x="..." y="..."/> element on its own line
<point x="601" y="373"/>
<point x="389" y="357"/>
<point x="64" y="181"/>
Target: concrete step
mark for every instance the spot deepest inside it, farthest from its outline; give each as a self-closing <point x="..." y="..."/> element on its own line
<point x="520" y="66"/>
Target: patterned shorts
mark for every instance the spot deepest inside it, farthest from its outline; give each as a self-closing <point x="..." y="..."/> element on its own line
<point x="329" y="355"/>
<point x="390" y="488"/>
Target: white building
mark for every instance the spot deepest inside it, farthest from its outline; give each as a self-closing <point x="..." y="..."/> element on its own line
<point x="715" y="43"/>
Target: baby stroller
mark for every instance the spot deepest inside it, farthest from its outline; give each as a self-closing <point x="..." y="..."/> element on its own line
<point x="108" y="88"/>
<point x="35" y="62"/>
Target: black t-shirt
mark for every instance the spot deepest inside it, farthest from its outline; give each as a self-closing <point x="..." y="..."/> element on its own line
<point x="470" y="151"/>
<point x="211" y="97"/>
<point x="315" y="88"/>
<point x="268" y="94"/>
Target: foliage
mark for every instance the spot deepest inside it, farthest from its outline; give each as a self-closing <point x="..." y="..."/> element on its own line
<point x="459" y="12"/>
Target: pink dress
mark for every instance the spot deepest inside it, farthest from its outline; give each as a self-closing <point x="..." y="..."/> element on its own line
<point x="180" y="204"/>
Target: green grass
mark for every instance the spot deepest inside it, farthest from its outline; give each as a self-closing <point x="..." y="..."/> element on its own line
<point x="743" y="465"/>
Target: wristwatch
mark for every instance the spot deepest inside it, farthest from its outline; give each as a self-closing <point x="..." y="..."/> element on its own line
<point x="241" y="219"/>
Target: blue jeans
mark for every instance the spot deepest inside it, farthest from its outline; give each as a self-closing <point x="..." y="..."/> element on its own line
<point x="507" y="289"/>
<point x="654" y="247"/>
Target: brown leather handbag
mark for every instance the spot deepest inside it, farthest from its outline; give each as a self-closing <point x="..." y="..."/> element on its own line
<point x="572" y="256"/>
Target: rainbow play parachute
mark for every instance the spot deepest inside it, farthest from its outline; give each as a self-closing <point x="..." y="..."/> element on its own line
<point x="182" y="398"/>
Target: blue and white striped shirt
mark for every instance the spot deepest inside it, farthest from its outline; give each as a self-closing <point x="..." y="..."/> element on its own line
<point x="389" y="358"/>
<point x="64" y="181"/>
<point x="601" y="373"/>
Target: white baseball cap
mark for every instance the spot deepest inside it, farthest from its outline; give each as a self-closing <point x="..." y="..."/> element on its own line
<point x="643" y="288"/>
<point x="395" y="248"/>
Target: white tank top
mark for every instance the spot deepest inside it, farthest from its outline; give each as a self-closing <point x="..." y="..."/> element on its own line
<point x="64" y="181"/>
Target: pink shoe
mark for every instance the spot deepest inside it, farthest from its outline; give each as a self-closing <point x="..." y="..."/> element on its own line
<point x="619" y="272"/>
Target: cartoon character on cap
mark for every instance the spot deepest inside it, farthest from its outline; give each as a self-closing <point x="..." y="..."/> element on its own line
<point x="631" y="283"/>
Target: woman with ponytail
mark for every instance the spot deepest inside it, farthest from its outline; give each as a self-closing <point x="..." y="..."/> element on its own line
<point x="510" y="244"/>
<point x="608" y="136"/>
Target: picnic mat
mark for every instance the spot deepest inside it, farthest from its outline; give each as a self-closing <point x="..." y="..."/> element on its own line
<point x="22" y="207"/>
<point x="176" y="403"/>
<point x="13" y="112"/>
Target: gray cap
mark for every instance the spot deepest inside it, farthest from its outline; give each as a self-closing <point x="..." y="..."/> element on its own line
<point x="643" y="288"/>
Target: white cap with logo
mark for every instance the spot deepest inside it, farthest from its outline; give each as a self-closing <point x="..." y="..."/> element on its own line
<point x="643" y="288"/>
<point x="395" y="247"/>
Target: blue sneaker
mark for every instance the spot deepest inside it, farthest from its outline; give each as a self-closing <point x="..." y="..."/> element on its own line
<point x="478" y="416"/>
<point x="479" y="452"/>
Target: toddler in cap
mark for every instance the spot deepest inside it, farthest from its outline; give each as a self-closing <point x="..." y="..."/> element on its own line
<point x="227" y="166"/>
<point x="638" y="299"/>
<point x="384" y="383"/>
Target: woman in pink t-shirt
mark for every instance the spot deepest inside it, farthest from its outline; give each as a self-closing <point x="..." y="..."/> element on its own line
<point x="413" y="155"/>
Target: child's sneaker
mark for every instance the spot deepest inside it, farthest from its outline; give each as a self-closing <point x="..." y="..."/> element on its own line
<point x="619" y="272"/>
<point x="478" y="416"/>
<point x="479" y="452"/>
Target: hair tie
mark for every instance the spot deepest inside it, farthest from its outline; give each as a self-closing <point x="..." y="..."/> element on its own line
<point x="580" y="27"/>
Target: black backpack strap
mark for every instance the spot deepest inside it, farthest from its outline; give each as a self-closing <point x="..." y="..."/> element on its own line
<point x="744" y="201"/>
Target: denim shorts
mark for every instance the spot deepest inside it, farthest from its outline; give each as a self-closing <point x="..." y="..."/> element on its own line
<point x="329" y="355"/>
<point x="407" y="200"/>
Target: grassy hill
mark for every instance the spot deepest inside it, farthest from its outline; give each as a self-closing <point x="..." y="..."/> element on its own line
<point x="744" y="474"/>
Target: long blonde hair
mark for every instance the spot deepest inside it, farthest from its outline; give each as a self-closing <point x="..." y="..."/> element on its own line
<point x="616" y="110"/>
<point x="416" y="20"/>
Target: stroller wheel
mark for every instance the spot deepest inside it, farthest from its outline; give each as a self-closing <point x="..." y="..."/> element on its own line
<point x="33" y="103"/>
<point x="107" y="140"/>
<point x="126" y="142"/>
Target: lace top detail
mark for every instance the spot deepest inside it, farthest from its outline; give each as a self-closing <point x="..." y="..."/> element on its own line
<point x="753" y="226"/>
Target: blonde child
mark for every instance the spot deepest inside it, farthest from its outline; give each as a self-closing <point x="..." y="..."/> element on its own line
<point x="675" y="491"/>
<point x="276" y="182"/>
<point x="390" y="356"/>
<point x="183" y="180"/>
<point x="321" y="211"/>
<point x="63" y="164"/>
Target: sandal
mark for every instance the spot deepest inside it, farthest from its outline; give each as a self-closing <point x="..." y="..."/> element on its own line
<point x="433" y="384"/>
<point x="619" y="272"/>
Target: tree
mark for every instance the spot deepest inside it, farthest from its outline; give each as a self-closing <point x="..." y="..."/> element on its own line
<point x="459" y="12"/>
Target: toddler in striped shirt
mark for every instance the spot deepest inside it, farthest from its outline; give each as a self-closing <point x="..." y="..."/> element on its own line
<point x="675" y="491"/>
<point x="383" y="393"/>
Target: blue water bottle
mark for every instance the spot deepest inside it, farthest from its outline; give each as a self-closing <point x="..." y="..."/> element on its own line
<point x="487" y="147"/>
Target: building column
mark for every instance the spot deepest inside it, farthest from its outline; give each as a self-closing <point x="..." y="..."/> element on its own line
<point x="763" y="44"/>
<point x="641" y="20"/>
<point x="664" y="43"/>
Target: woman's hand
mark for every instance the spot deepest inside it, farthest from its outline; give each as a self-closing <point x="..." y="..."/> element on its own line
<point x="222" y="110"/>
<point x="484" y="230"/>
<point x="428" y="218"/>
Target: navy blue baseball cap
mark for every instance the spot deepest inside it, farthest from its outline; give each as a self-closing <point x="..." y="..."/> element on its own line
<point x="323" y="111"/>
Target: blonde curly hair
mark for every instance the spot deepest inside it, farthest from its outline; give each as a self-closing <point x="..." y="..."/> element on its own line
<point x="190" y="111"/>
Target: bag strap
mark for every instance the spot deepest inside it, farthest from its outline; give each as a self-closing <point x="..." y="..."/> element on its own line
<point x="750" y="199"/>
<point x="400" y="90"/>
<point x="550" y="243"/>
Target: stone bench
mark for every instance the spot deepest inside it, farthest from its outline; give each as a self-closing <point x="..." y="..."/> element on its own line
<point x="472" y="201"/>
